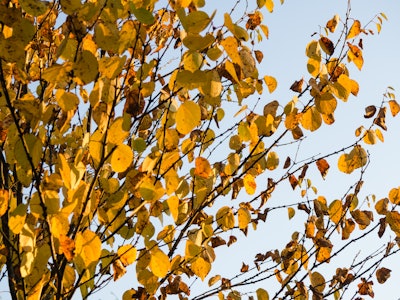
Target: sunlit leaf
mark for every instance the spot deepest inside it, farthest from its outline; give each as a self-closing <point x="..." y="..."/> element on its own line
<point x="394" y="107"/>
<point x="336" y="211"/>
<point x="355" y="30"/>
<point x="159" y="263"/>
<point x="188" y="116"/>
<point x="244" y="217"/>
<point x="3" y="201"/>
<point x="121" y="158"/>
<point x="200" y="267"/>
<point x="127" y="254"/>
<point x="249" y="184"/>
<point x="87" y="249"/>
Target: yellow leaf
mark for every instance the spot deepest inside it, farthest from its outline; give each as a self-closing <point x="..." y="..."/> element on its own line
<point x="3" y="201"/>
<point x="269" y="4"/>
<point x="355" y="55"/>
<point x="325" y="103"/>
<point x="332" y="23"/>
<point x="244" y="217"/>
<point x="59" y="225"/>
<point x="16" y="219"/>
<point x="225" y="218"/>
<point x="272" y="161"/>
<point x="324" y="254"/>
<point x="355" y="30"/>
<point x="393" y="219"/>
<point x="313" y="66"/>
<point x="87" y="249"/>
<point x="67" y="247"/>
<point x="85" y="68"/>
<point x="271" y="83"/>
<point x="118" y="131"/>
<point x="335" y="211"/>
<point x="262" y="294"/>
<point x="127" y="254"/>
<point x="173" y="204"/>
<point x="188" y="116"/>
<point x="195" y="22"/>
<point x="231" y="46"/>
<point x="291" y="212"/>
<point x="249" y="184"/>
<point x="67" y="100"/>
<point x="265" y="30"/>
<point x="200" y="267"/>
<point x="357" y="158"/>
<point x="394" y="196"/>
<point x="313" y="50"/>
<point x="111" y="67"/>
<point x="121" y="158"/>
<point x="369" y="137"/>
<point x="394" y="107"/>
<point x="106" y="35"/>
<point x="213" y="280"/>
<point x="196" y="42"/>
<point x="311" y="119"/>
<point x="202" y="167"/>
<point x="159" y="263"/>
<point x="230" y="68"/>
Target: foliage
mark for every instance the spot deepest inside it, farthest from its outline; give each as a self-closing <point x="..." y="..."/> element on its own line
<point x="118" y="148"/>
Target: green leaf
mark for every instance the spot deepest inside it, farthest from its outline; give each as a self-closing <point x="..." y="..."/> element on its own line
<point x="143" y="16"/>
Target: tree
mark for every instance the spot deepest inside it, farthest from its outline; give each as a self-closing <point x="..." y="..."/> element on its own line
<point x="118" y="149"/>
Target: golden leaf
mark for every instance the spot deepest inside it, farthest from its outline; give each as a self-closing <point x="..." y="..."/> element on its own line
<point x="67" y="247"/>
<point x="159" y="263"/>
<point x="3" y="201"/>
<point x="244" y="217"/>
<point x="291" y="212"/>
<point x="200" y="267"/>
<point x="121" y="158"/>
<point x="188" y="116"/>
<point x="394" y="107"/>
<point x="355" y="30"/>
<point x="317" y="282"/>
<point x="249" y="184"/>
<point x="271" y="83"/>
<point x="87" y="249"/>
<point x="127" y="254"/>
<point x="332" y="23"/>
<point x="202" y="168"/>
<point x="335" y="211"/>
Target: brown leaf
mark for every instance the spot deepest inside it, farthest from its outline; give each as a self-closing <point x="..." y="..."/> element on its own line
<point x="297" y="86"/>
<point x="360" y="43"/>
<point x="327" y="45"/>
<point x="253" y="21"/>
<point x="217" y="241"/>
<point x="365" y="288"/>
<point x="370" y="111"/>
<point x="244" y="268"/>
<point x="287" y="163"/>
<point x="303" y="172"/>
<point x="134" y="103"/>
<point x="380" y="119"/>
<point x="302" y="206"/>
<point x="293" y="181"/>
<point x="322" y="166"/>
<point x="259" y="55"/>
<point x="382" y="275"/>
<point x="382" y="226"/>
<point x="232" y="239"/>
